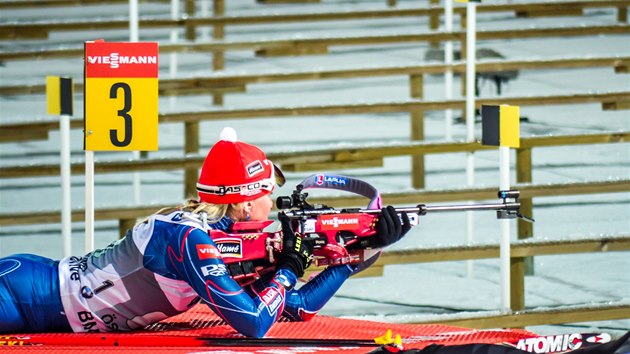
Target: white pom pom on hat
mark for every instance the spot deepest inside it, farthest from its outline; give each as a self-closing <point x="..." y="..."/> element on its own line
<point x="228" y="134"/>
<point x="234" y="171"/>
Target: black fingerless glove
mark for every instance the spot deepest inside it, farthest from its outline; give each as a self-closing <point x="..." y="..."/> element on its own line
<point x="296" y="255"/>
<point x="389" y="228"/>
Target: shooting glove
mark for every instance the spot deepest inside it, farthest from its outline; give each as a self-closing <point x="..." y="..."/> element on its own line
<point x="296" y="255"/>
<point x="389" y="228"/>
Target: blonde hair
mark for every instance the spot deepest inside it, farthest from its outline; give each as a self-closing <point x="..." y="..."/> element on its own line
<point x="215" y="212"/>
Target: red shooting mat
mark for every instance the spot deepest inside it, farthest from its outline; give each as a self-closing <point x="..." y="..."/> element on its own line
<point x="180" y="334"/>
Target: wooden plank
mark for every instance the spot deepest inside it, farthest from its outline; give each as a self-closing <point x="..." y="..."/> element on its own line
<point x="328" y="166"/>
<point x="10" y="130"/>
<point x="416" y="129"/>
<point x="236" y="83"/>
<point x="372" y="271"/>
<point x="541" y="6"/>
<point x="25" y="4"/>
<point x="622" y="66"/>
<point x="317" y="156"/>
<point x="41" y="29"/>
<point x="199" y="47"/>
<point x="432" y="11"/>
<point x="525" y="230"/>
<point x="559" y="140"/>
<point x="287" y="1"/>
<point x="24" y="135"/>
<point x="409" y="198"/>
<point x="203" y="90"/>
<point x="576" y="11"/>
<point x="154" y="164"/>
<point x="390" y="107"/>
<point x="539" y="316"/>
<point x="191" y="146"/>
<point x="292" y="50"/>
<point x="615" y="105"/>
<point x="518" y="249"/>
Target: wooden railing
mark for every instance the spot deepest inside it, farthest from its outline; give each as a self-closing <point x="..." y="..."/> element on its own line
<point x="592" y="312"/>
<point x="317" y="159"/>
<point x="609" y="101"/>
<point x="299" y="46"/>
<point x="41" y="29"/>
<point x="410" y="198"/>
<point x="222" y="83"/>
<point x="29" y="4"/>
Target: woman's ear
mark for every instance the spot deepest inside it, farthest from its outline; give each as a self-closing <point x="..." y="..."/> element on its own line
<point x="247" y="210"/>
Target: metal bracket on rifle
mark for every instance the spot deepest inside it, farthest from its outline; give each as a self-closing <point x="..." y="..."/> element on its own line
<point x="512" y="208"/>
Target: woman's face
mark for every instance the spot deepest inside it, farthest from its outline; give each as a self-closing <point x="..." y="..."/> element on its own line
<point x="260" y="208"/>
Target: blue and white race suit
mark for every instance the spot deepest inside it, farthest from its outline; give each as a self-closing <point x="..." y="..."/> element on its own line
<point x="161" y="268"/>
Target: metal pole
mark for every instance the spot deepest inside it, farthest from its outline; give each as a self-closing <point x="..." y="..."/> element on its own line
<point x="448" y="75"/>
<point x="133" y="20"/>
<point x="89" y="201"/>
<point x="133" y="37"/>
<point x="471" y="28"/>
<point x="66" y="211"/>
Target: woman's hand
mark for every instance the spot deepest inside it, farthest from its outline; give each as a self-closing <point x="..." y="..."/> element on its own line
<point x="389" y="228"/>
<point x="296" y="255"/>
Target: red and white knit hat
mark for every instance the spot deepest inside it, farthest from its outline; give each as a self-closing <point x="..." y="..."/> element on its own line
<point x="235" y="172"/>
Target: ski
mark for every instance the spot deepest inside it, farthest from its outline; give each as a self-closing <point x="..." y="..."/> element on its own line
<point x="140" y="340"/>
<point x="547" y="344"/>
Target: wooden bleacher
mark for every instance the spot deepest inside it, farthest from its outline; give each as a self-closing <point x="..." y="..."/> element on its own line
<point x="300" y="46"/>
<point x="237" y="83"/>
<point x="315" y="159"/>
<point x="608" y="100"/>
<point x="41" y="29"/>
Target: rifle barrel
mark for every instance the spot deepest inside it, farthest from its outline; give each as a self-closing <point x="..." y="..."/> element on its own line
<point x="422" y="209"/>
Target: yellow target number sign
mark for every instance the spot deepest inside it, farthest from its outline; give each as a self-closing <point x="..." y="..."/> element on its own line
<point x="121" y="96"/>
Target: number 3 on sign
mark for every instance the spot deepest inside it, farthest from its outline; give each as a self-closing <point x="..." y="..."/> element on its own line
<point x="121" y="114"/>
<point x="124" y="113"/>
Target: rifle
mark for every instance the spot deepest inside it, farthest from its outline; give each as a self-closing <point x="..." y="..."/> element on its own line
<point x="338" y="236"/>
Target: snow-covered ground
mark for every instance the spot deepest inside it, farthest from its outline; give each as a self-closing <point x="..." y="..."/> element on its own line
<point x="406" y="292"/>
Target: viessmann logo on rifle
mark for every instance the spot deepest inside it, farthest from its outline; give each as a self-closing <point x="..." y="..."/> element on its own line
<point x="230" y="247"/>
<point x="338" y="222"/>
<point x="115" y="60"/>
